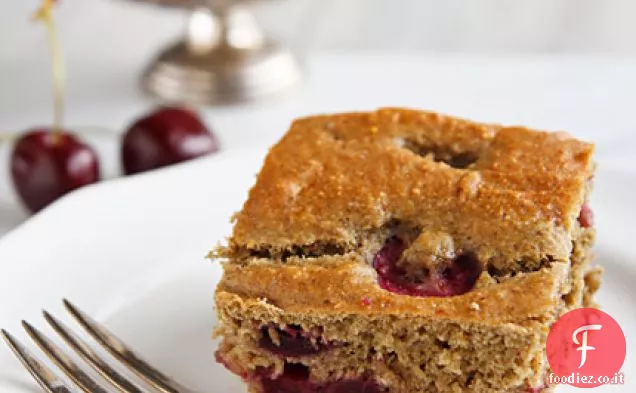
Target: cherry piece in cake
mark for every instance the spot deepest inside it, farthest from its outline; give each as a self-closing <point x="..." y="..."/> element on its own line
<point x="165" y="137"/>
<point x="457" y="278"/>
<point x="295" y="379"/>
<point x="586" y="216"/>
<point x="47" y="164"/>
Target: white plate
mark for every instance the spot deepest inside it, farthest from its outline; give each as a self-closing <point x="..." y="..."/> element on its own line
<point x="131" y="253"/>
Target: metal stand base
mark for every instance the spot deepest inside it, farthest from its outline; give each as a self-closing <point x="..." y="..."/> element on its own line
<point x="224" y="59"/>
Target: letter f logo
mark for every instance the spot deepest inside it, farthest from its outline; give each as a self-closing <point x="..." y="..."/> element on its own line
<point x="584" y="347"/>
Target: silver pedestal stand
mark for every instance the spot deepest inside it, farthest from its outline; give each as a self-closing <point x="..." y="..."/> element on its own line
<point x="224" y="58"/>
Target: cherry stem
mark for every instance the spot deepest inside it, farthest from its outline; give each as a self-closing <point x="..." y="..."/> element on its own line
<point x="45" y="14"/>
<point x="58" y="75"/>
<point x="7" y="138"/>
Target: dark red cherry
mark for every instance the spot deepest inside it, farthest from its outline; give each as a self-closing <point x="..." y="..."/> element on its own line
<point x="46" y="165"/>
<point x="458" y="277"/>
<point x="165" y="137"/>
<point x="295" y="379"/>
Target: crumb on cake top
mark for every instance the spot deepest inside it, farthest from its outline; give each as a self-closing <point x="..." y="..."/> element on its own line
<point x="502" y="193"/>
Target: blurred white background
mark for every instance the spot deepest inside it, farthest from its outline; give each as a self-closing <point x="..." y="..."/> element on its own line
<point x="107" y="42"/>
<point x="583" y="26"/>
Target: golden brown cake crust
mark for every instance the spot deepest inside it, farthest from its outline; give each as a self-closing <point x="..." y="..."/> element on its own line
<point x="332" y="179"/>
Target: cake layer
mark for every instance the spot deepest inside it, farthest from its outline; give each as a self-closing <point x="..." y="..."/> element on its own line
<point x="351" y="286"/>
<point x="509" y="195"/>
<point x="407" y="354"/>
<point x="329" y="316"/>
<point x="456" y="344"/>
<point x="491" y="339"/>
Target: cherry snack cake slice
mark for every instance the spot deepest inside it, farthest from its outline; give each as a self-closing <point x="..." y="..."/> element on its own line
<point x="406" y="251"/>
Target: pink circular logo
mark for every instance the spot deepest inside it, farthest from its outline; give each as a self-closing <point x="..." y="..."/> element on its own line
<point x="586" y="348"/>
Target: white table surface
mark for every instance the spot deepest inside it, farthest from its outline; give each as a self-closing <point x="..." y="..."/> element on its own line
<point x="592" y="98"/>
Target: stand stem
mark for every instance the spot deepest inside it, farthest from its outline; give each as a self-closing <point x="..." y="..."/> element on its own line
<point x="224" y="27"/>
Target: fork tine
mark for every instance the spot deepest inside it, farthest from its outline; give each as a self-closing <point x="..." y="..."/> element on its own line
<point x="82" y="349"/>
<point x="69" y="367"/>
<point x="42" y="374"/>
<point x="124" y="354"/>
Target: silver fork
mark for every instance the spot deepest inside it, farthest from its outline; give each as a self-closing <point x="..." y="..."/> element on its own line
<point x="52" y="383"/>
